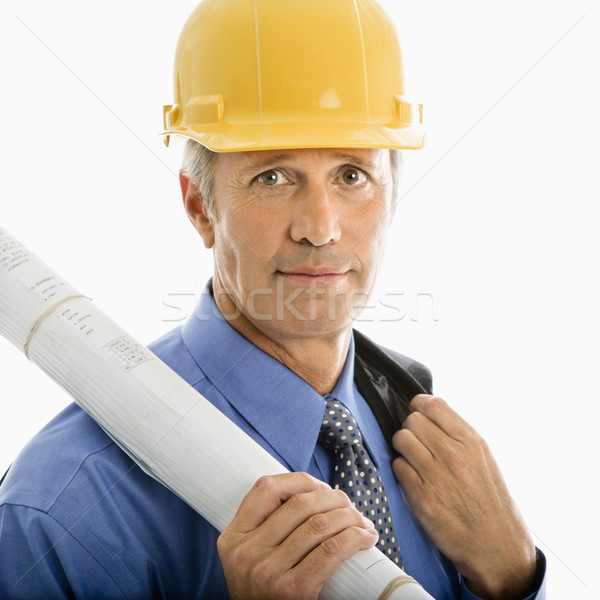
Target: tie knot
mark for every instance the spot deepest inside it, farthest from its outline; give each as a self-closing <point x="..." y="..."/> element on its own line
<point x="339" y="428"/>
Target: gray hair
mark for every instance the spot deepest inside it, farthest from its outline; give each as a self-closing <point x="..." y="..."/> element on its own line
<point x="198" y="164"/>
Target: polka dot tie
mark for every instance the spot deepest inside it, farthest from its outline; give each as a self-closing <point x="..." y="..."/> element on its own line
<point x="356" y="475"/>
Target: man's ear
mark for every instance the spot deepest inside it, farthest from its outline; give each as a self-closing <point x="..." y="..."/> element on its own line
<point x="196" y="210"/>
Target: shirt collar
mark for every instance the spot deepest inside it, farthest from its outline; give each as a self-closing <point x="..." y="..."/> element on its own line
<point x="344" y="387"/>
<point x="285" y="410"/>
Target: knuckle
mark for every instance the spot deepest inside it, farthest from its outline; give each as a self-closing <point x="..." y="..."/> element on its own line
<point x="331" y="546"/>
<point x="264" y="573"/>
<point x="300" y="502"/>
<point x="437" y="404"/>
<point x="470" y="457"/>
<point x="222" y="545"/>
<point x="411" y="421"/>
<point x="479" y="445"/>
<point x="227" y="543"/>
<point x="458" y="464"/>
<point x="399" y="466"/>
<point x="402" y="436"/>
<point x="481" y="457"/>
<point x="265" y="483"/>
<point x="243" y="557"/>
<point x="342" y="498"/>
<point x="417" y="398"/>
<point x="319" y="523"/>
<point x="306" y="479"/>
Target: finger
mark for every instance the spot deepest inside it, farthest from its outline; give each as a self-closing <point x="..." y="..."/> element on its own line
<point x="318" y="528"/>
<point x="320" y="564"/>
<point x="438" y="412"/>
<point x="267" y="495"/>
<point x="413" y="449"/>
<point x="429" y="435"/>
<point x="409" y="478"/>
<point x="297" y="510"/>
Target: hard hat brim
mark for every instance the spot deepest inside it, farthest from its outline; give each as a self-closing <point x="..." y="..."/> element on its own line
<point x="276" y="136"/>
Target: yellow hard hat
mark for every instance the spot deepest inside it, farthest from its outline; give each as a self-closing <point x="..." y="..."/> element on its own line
<point x="271" y="74"/>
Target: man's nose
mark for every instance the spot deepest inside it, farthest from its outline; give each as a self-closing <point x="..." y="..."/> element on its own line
<point x="316" y="216"/>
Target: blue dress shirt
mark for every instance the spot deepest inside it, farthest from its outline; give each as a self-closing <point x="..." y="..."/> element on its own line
<point x="79" y="519"/>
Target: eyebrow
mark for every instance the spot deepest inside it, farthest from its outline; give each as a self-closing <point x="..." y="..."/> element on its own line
<point x="353" y="159"/>
<point x="278" y="158"/>
<point x="265" y="163"/>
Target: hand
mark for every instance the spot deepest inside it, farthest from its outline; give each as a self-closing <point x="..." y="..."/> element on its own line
<point x="290" y="533"/>
<point x="455" y="488"/>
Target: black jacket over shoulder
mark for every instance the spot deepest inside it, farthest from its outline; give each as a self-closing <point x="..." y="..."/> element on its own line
<point x="388" y="381"/>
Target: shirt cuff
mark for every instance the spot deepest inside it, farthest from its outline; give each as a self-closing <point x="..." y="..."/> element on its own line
<point x="540" y="582"/>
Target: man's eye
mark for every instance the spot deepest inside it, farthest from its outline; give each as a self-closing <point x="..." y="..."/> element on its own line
<point x="353" y="176"/>
<point x="272" y="177"/>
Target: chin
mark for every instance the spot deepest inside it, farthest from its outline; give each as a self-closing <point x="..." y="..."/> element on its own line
<point x="309" y="328"/>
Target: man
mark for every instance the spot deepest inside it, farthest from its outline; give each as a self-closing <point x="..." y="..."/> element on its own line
<point x="303" y="102"/>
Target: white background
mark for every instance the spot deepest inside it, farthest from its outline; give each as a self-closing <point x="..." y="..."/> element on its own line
<point x="493" y="261"/>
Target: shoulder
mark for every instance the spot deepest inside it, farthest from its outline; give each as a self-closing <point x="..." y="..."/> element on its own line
<point x="46" y="505"/>
<point x="171" y="349"/>
<point x="387" y="359"/>
<point x="48" y="463"/>
<point x="68" y="467"/>
<point x="81" y="503"/>
<point x="417" y="369"/>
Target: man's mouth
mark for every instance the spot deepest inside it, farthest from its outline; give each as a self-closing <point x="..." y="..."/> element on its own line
<point x="313" y="275"/>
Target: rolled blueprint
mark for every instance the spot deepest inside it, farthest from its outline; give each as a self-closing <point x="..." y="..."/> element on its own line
<point x="170" y="430"/>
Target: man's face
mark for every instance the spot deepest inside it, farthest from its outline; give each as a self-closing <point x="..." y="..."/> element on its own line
<point x="298" y="236"/>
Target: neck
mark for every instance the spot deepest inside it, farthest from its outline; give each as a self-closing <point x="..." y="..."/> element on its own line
<point x="318" y="359"/>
